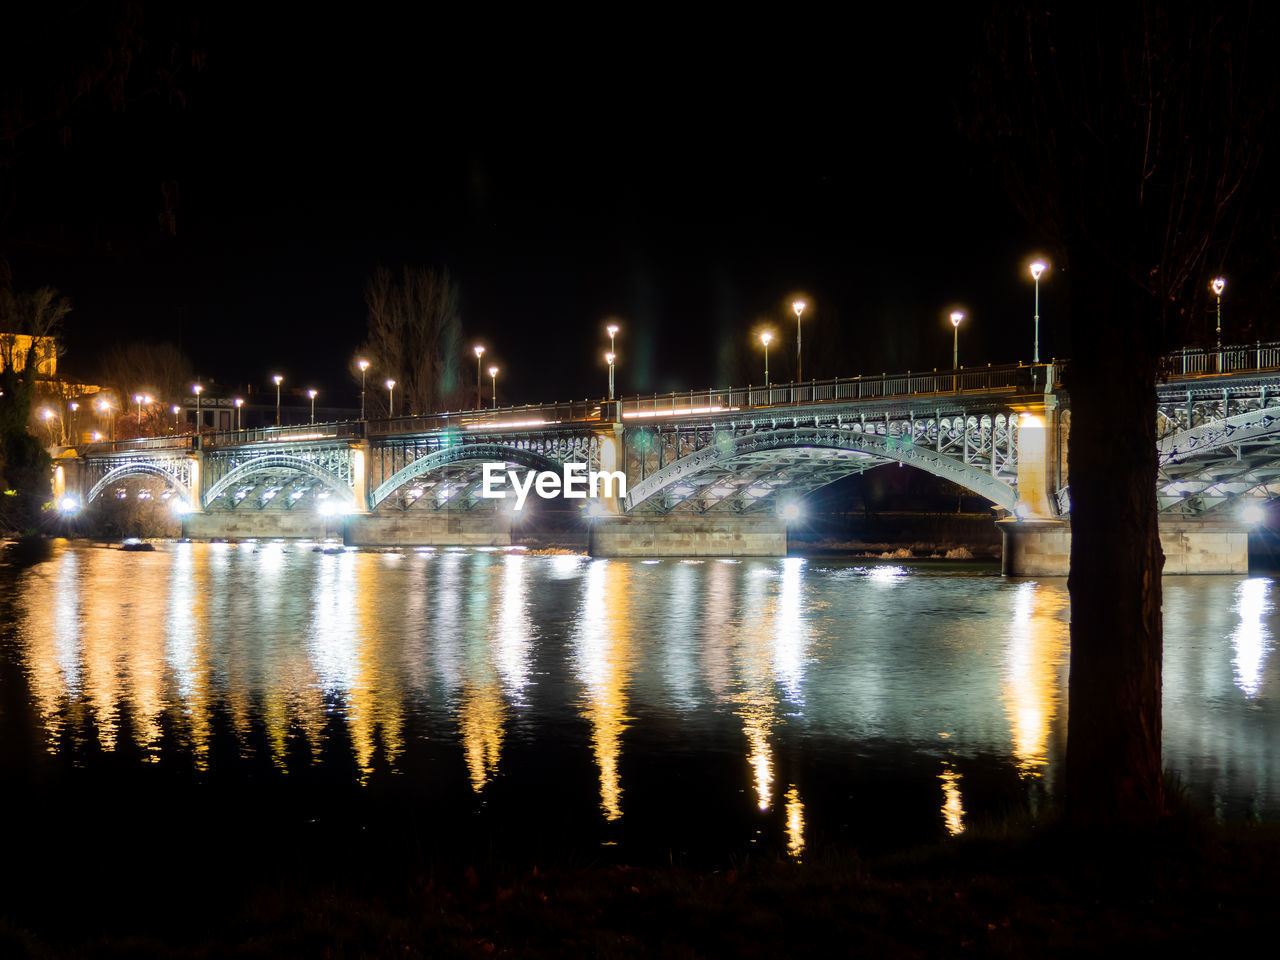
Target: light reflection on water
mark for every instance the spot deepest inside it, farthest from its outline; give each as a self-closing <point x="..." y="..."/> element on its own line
<point x="781" y="679"/>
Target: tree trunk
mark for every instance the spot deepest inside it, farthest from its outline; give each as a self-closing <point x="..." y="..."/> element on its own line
<point x="1114" y="723"/>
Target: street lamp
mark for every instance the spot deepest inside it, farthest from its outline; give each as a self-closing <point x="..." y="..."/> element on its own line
<point x="1037" y="268"/>
<point x="493" y="375"/>
<point x="46" y="415"/>
<point x="312" y="395"/>
<point x="1218" y="285"/>
<point x="956" y="317"/>
<point x="278" y="380"/>
<point x="197" y="389"/>
<point x="766" y="338"/>
<point x="239" y="403"/>
<point x="137" y="398"/>
<point x="609" y="358"/>
<point x="104" y="410"/>
<point x="612" y="331"/>
<point x="176" y="410"/>
<point x="391" y="398"/>
<point x="798" y="306"/>
<point x="479" y="353"/>
<point x="75" y="420"/>
<point x="363" y="365"/>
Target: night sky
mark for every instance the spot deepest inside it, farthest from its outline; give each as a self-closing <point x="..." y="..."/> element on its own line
<point x="687" y="179"/>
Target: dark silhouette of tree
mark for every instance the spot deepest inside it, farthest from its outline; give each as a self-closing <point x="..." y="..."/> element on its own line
<point x="26" y="321"/>
<point x="1130" y="136"/>
<point x="415" y="338"/>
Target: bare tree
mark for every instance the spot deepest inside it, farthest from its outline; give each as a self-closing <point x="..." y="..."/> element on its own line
<point x="1131" y="136"/>
<point x="415" y="335"/>
<point x="158" y="370"/>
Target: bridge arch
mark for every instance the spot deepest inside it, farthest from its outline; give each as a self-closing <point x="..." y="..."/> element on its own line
<point x="463" y="453"/>
<point x="136" y="469"/>
<point x="277" y="461"/>
<point x="725" y="450"/>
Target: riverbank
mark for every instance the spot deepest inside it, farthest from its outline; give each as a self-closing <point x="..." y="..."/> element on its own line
<point x="1188" y="888"/>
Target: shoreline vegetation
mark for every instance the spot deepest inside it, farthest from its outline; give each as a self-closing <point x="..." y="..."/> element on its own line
<point x="1189" y="885"/>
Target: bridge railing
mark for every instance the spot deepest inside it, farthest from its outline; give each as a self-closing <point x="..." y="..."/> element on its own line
<point x="333" y="430"/>
<point x="1201" y="361"/>
<point x="964" y="380"/>
<point x="137" y="445"/>
<point x="529" y="415"/>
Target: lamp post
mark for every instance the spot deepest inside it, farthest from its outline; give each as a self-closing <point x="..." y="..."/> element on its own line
<point x="1219" y="284"/>
<point x="364" y="366"/>
<point x="278" y="380"/>
<point x="612" y="331"/>
<point x="609" y="358"/>
<point x="479" y="353"/>
<point x="176" y="410"/>
<point x="75" y="419"/>
<point x="137" y="398"/>
<point x="391" y="398"/>
<point x="1037" y="268"/>
<point x="312" y="395"/>
<point x="798" y="306"/>
<point x="493" y="376"/>
<point x="956" y="317"/>
<point x="766" y="338"/>
<point x="46" y="415"/>
<point x="197" y="389"/>
<point x="239" y="403"/>
<point x="104" y="411"/>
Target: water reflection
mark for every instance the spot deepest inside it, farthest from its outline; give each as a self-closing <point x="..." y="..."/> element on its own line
<point x="1034" y="659"/>
<point x="718" y="688"/>
<point x="1249" y="639"/>
<point x="602" y="657"/>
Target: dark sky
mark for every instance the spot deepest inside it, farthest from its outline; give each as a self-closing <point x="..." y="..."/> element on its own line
<point x="686" y="178"/>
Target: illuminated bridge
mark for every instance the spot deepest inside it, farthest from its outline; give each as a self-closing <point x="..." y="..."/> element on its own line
<point x="719" y="471"/>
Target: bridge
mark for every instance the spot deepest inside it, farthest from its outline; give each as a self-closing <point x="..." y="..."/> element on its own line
<point x="716" y="472"/>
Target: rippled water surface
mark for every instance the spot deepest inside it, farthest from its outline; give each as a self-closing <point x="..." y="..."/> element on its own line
<point x="681" y="704"/>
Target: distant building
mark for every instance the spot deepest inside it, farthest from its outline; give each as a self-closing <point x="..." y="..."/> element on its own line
<point x="14" y="348"/>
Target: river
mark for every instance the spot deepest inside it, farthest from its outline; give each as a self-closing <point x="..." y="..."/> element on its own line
<point x="684" y="707"/>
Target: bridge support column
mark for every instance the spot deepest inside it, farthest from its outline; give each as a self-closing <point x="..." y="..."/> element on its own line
<point x="1042" y="548"/>
<point x="1035" y="548"/>
<point x="688" y="537"/>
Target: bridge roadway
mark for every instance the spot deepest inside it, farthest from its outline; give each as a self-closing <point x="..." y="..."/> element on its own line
<point x="715" y="472"/>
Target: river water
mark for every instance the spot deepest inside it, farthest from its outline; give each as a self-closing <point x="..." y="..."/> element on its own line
<point x="672" y="708"/>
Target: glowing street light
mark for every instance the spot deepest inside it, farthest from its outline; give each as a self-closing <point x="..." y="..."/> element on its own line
<point x="956" y="317"/>
<point x="798" y="306"/>
<point x="612" y="331"/>
<point x="391" y="398"/>
<point x="239" y="403"/>
<point x="493" y="375"/>
<point x="47" y="415"/>
<point x="479" y="353"/>
<point x="363" y="365"/>
<point x="766" y="338"/>
<point x="1037" y="269"/>
<point x="1219" y="284"/>
<point x="105" y="407"/>
<point x="609" y="358"/>
<point x="176" y="410"/>
<point x="277" y="379"/>
<point x="197" y="389"/>
<point x="312" y="395"/>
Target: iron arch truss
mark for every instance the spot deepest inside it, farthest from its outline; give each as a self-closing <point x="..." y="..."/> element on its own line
<point x="177" y="474"/>
<point x="462" y="453"/>
<point x="797" y="446"/>
<point x="277" y="461"/>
